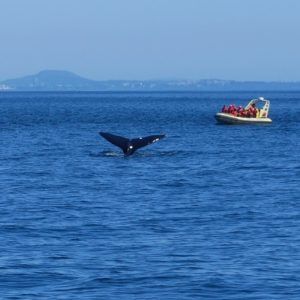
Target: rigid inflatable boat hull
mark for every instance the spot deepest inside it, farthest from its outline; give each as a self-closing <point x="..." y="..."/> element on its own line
<point x="225" y="118"/>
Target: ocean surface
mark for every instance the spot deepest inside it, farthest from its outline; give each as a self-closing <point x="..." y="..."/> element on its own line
<point x="210" y="212"/>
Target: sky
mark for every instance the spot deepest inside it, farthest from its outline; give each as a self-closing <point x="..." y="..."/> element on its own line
<point x="152" y="39"/>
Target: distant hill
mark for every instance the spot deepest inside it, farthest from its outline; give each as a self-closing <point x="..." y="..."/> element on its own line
<point x="53" y="80"/>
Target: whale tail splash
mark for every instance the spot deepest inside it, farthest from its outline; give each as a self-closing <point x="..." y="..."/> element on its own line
<point x="129" y="146"/>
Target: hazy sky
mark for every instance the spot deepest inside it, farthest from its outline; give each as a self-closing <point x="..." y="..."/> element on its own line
<point x="152" y="39"/>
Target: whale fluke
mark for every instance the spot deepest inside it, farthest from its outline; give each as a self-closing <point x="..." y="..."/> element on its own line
<point x="129" y="146"/>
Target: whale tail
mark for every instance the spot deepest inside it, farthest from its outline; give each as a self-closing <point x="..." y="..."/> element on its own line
<point x="129" y="146"/>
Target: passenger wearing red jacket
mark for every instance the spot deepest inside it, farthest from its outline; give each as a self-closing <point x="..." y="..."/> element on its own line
<point x="224" y="109"/>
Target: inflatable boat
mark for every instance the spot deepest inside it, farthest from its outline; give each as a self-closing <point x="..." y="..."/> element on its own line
<point x="262" y="107"/>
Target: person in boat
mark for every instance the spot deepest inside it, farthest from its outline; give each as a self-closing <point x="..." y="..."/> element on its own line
<point x="257" y="113"/>
<point x="245" y="113"/>
<point x="240" y="110"/>
<point x="233" y="109"/>
<point x="224" y="109"/>
<point x="253" y="110"/>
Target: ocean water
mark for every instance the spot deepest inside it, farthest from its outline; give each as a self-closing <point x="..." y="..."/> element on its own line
<point x="210" y="212"/>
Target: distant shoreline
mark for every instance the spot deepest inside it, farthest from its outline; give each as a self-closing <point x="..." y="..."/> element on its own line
<point x="64" y="81"/>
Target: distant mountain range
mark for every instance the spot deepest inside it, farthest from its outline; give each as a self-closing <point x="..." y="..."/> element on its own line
<point x="52" y="80"/>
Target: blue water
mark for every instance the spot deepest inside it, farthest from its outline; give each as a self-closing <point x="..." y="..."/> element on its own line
<point x="210" y="212"/>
